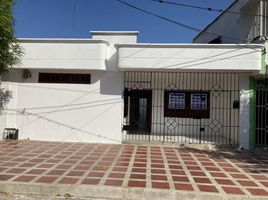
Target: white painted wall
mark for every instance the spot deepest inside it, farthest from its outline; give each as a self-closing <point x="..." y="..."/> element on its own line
<point x="244" y="112"/>
<point x="114" y="37"/>
<point x="79" y="54"/>
<point x="67" y="112"/>
<point x="189" y="57"/>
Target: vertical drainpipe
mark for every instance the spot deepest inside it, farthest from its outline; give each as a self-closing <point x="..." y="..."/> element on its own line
<point x="261" y="18"/>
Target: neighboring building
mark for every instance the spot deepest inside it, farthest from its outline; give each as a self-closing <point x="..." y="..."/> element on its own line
<point x="112" y="89"/>
<point x="246" y="21"/>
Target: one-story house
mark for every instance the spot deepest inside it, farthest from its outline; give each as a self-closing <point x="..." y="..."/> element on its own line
<point x="112" y="89"/>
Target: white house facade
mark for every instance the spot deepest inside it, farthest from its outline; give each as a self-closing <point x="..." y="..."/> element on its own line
<point x="111" y="89"/>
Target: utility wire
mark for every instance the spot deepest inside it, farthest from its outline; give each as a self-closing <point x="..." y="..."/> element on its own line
<point x="74" y="10"/>
<point x="178" y="23"/>
<point x="207" y="9"/>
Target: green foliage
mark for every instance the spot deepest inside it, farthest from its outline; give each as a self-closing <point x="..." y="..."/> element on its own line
<point x="5" y="96"/>
<point x="10" y="50"/>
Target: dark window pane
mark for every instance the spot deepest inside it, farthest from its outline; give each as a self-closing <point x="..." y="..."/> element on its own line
<point x="64" y="78"/>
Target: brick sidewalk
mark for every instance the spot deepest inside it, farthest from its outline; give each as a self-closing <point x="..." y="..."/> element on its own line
<point x="223" y="172"/>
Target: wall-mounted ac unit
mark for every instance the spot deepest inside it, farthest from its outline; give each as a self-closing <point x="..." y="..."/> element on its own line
<point x="26" y="73"/>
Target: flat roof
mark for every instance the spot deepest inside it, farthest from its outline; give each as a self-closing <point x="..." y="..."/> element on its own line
<point x="191" y="45"/>
<point x="114" y="32"/>
<point x="61" y="40"/>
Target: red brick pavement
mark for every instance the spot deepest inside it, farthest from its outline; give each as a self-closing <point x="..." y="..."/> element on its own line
<point x="142" y="166"/>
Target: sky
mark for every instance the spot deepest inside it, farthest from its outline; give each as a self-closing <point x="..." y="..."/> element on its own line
<point x="75" y="18"/>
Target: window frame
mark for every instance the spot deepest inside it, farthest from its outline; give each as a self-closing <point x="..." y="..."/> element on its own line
<point x="187" y="112"/>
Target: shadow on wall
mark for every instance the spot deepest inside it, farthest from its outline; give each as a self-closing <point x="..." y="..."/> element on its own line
<point x="5" y="96"/>
<point x="111" y="82"/>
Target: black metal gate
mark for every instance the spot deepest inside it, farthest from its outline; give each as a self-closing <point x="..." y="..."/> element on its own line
<point x="261" y="130"/>
<point x="184" y="107"/>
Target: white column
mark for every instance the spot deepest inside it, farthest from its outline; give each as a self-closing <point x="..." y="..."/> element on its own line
<point x="244" y="112"/>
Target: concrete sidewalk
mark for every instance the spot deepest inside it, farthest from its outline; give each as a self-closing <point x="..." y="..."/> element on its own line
<point x="109" y="171"/>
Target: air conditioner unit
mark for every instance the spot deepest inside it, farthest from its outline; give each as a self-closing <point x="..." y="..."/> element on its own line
<point x="26" y="73"/>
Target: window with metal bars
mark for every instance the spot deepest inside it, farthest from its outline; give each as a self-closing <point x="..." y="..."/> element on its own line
<point x="186" y="104"/>
<point x="64" y="78"/>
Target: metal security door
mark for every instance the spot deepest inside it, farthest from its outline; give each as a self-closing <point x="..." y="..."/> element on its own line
<point x="140" y="111"/>
<point x="261" y="130"/>
<point x="186" y="107"/>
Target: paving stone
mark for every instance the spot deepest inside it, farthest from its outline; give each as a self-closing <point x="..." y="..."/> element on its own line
<point x="140" y="170"/>
<point x="231" y="170"/>
<point x="160" y="185"/>
<point x="67" y="180"/>
<point x="116" y="175"/>
<point x="5" y="177"/>
<point x="138" y="176"/>
<point x="182" y="186"/>
<point x="257" y="192"/>
<point x="120" y="169"/>
<point x="75" y="173"/>
<point x="132" y="183"/>
<point x="201" y="180"/>
<point x="27" y="165"/>
<point x="239" y="176"/>
<point x="260" y="177"/>
<point x="197" y="173"/>
<point x="158" y="171"/>
<point x="233" y="190"/>
<point x="101" y="168"/>
<point x="193" y="168"/>
<point x="3" y="169"/>
<point x="62" y="166"/>
<point x="264" y="183"/>
<point x="175" y="167"/>
<point x="91" y="181"/>
<point x="177" y="172"/>
<point x="46" y="179"/>
<point x="113" y="182"/>
<point x="16" y="170"/>
<point x="207" y="188"/>
<point x="157" y="166"/>
<point x="159" y="177"/>
<point x="247" y="183"/>
<point x="25" y="178"/>
<point x="180" y="179"/>
<point x="218" y="174"/>
<point x="225" y="182"/>
<point x="45" y="166"/>
<point x="139" y="165"/>
<point x="56" y="172"/>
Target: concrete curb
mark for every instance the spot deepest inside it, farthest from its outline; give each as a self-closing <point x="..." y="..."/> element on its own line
<point x="114" y="193"/>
